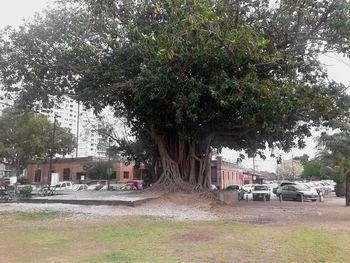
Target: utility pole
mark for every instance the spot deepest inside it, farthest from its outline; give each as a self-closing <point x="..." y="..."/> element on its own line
<point x="51" y="151"/>
<point x="109" y="170"/>
<point x="76" y="153"/>
<point x="254" y="168"/>
<point x="292" y="164"/>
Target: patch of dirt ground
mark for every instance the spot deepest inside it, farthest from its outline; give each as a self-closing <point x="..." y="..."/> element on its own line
<point x="330" y="214"/>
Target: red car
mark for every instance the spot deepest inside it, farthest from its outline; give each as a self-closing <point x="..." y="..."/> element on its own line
<point x="136" y="183"/>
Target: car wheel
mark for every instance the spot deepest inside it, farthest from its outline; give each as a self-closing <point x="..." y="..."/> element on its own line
<point x="299" y="198"/>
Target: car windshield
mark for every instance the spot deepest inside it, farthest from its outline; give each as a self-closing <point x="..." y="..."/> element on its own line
<point x="301" y="187"/>
<point x="260" y="187"/>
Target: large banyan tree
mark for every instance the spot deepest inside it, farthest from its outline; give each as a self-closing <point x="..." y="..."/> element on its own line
<point x="192" y="75"/>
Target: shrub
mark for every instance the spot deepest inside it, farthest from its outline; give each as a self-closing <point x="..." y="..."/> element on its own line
<point x="25" y="192"/>
<point x="22" y="180"/>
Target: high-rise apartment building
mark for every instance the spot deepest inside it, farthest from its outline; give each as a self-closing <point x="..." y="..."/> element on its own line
<point x="81" y="122"/>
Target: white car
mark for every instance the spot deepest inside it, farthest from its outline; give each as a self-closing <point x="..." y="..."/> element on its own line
<point x="320" y="188"/>
<point x="64" y="185"/>
<point x="79" y="187"/>
<point x="94" y="187"/>
<point x="261" y="192"/>
<point x="248" y="187"/>
<point x="213" y="187"/>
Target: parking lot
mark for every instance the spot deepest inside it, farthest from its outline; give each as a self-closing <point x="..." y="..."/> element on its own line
<point x="193" y="207"/>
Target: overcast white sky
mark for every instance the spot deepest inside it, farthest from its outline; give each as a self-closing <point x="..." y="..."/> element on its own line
<point x="12" y="12"/>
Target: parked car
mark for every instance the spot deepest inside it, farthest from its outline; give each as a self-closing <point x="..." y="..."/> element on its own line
<point x="325" y="187"/>
<point x="277" y="191"/>
<point x="314" y="187"/>
<point x="261" y="192"/>
<point x="112" y="187"/>
<point x="92" y="187"/>
<point x="79" y="187"/>
<point x="238" y="188"/>
<point x="64" y="185"/>
<point x="213" y="187"/>
<point x="135" y="184"/>
<point x="330" y="183"/>
<point x="35" y="188"/>
<point x="298" y="192"/>
<point x="248" y="187"/>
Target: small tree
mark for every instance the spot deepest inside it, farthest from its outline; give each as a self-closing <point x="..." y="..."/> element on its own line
<point x="312" y="170"/>
<point x="99" y="170"/>
<point x="289" y="170"/>
<point x="337" y="174"/>
<point x="28" y="136"/>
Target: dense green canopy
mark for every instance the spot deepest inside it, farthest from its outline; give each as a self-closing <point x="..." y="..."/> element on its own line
<point x="191" y="74"/>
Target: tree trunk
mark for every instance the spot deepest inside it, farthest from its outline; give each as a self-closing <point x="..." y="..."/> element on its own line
<point x="340" y="189"/>
<point x="347" y="191"/>
<point x="171" y="177"/>
<point x="185" y="166"/>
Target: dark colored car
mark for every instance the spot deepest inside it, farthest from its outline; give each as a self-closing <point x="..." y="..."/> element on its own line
<point x="277" y="189"/>
<point x="298" y="193"/>
<point x="238" y="188"/>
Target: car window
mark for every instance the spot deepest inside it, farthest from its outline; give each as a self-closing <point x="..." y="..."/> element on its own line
<point x="58" y="185"/>
<point x="64" y="185"/>
<point x="260" y="187"/>
<point x="301" y="187"/>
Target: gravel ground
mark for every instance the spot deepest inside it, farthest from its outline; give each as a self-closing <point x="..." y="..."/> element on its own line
<point x="95" y="195"/>
<point x="160" y="208"/>
<point x="83" y="212"/>
<point x="185" y="207"/>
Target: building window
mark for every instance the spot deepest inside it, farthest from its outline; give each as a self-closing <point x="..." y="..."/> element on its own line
<point x="214" y="176"/>
<point x="126" y="175"/>
<point x="37" y="176"/>
<point x="66" y="174"/>
<point x="81" y="176"/>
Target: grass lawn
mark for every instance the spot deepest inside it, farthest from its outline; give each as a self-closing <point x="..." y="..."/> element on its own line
<point x="47" y="237"/>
